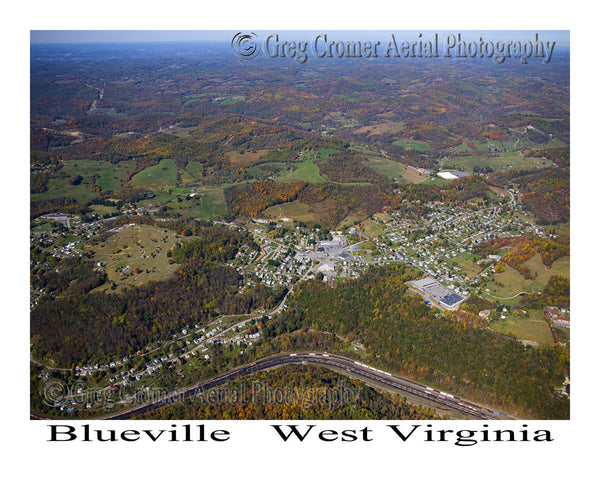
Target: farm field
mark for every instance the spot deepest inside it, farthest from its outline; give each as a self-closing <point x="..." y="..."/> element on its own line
<point x="103" y="209"/>
<point x="515" y="145"/>
<point x="414" y="176"/>
<point x="193" y="170"/>
<point x="563" y="334"/>
<point x="325" y="152"/>
<point x="307" y="171"/>
<point x="501" y="162"/>
<point x="436" y="181"/>
<point x="207" y="204"/>
<point x="58" y="187"/>
<point x="372" y="229"/>
<point x="164" y="173"/>
<point x="465" y="262"/>
<point x="414" y="145"/>
<point x="349" y="221"/>
<point x="533" y="328"/>
<point x="561" y="267"/>
<point x="389" y="168"/>
<point x="512" y="282"/>
<point x="463" y="147"/>
<point x="198" y="202"/>
<point x="107" y="176"/>
<point x="381" y="128"/>
<point x="194" y="98"/>
<point x="295" y="210"/>
<point x="244" y="159"/>
<point x="266" y="170"/>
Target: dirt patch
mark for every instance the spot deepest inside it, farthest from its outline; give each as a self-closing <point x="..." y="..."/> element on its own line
<point x="245" y="159"/>
<point x="415" y="175"/>
<point x="381" y="128"/>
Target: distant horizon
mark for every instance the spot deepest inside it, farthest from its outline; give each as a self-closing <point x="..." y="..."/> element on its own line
<point x="38" y="37"/>
<point x="53" y="37"/>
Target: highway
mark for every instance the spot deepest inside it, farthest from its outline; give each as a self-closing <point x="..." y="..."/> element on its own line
<point x="342" y="365"/>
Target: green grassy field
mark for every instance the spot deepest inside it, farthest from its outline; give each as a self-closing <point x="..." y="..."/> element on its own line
<point x="194" y="98"/>
<point x="266" y="170"/>
<point x="436" y="181"/>
<point x="389" y="168"/>
<point x="562" y="229"/>
<point x="501" y="162"/>
<point x="307" y="171"/>
<point x="349" y="221"/>
<point x="515" y="145"/>
<point x="513" y="282"/>
<point x="102" y="209"/>
<point x="563" y="334"/>
<point x="185" y="177"/>
<point x="414" y="145"/>
<point x="207" y="204"/>
<point x="108" y="176"/>
<point x="164" y="173"/>
<point x="507" y="146"/>
<point x="62" y="188"/>
<point x="561" y="267"/>
<point x="40" y="225"/>
<point x="372" y="229"/>
<point x="533" y="328"/>
<point x="463" y="147"/>
<point x="465" y="262"/>
<point x="295" y="210"/>
<point x="104" y="174"/>
<point x="194" y="169"/>
<point x="198" y="202"/>
<point x="212" y="203"/>
<point x="325" y="152"/>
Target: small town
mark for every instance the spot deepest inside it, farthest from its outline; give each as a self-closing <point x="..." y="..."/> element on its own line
<point x="440" y="244"/>
<point x="195" y="220"/>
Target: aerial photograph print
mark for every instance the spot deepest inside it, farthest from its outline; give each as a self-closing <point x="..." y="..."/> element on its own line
<point x="299" y="225"/>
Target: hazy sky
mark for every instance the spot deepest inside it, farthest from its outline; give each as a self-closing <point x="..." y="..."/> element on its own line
<point x="85" y="36"/>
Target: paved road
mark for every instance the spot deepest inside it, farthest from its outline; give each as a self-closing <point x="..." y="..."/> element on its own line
<point x="342" y="365"/>
<point x="506" y="298"/>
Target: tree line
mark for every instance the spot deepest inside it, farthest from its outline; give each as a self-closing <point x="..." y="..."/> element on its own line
<point x="73" y="324"/>
<point x="404" y="335"/>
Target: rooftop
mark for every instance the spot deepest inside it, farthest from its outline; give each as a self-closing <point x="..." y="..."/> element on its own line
<point x="438" y="292"/>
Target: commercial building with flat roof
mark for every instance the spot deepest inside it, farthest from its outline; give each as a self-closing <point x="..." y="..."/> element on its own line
<point x="438" y="293"/>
